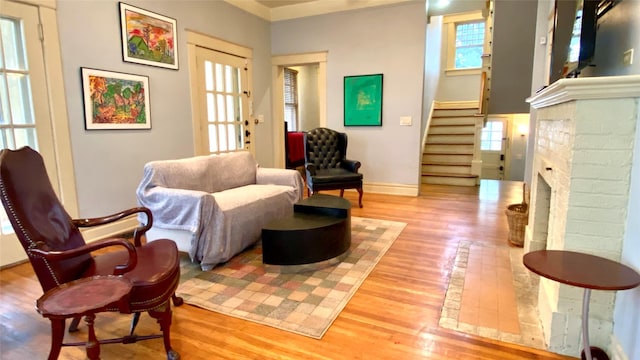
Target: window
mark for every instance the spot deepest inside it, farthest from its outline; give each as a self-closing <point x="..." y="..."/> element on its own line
<point x="17" y="123"/>
<point x="291" y="99"/>
<point x="224" y="94"/>
<point x="469" y="45"/>
<point x="492" y="136"/>
<point x="29" y="97"/>
<point x="465" y="38"/>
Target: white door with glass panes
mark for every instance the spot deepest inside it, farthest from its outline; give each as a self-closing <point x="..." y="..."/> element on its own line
<point x="224" y="99"/>
<point x="492" y="146"/>
<point x="24" y="108"/>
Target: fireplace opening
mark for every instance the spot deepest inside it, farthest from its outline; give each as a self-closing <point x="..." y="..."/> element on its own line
<point x="541" y="214"/>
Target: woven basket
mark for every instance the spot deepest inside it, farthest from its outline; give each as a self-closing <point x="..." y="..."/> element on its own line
<point x="518" y="217"/>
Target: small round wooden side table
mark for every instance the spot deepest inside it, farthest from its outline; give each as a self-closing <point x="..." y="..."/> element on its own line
<point x="585" y="271"/>
<point x="83" y="297"/>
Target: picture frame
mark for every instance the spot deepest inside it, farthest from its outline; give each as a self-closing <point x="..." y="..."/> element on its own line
<point x="115" y="100"/>
<point x="148" y="38"/>
<point x="363" y="100"/>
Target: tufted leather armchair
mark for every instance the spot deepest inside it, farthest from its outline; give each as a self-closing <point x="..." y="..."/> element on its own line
<point x="59" y="254"/>
<point x="327" y="168"/>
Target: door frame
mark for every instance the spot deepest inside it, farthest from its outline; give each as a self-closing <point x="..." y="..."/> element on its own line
<point x="54" y="100"/>
<point x="194" y="40"/>
<point x="506" y="141"/>
<point x="278" y="63"/>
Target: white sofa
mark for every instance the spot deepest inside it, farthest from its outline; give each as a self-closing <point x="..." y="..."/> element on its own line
<point x="215" y="206"/>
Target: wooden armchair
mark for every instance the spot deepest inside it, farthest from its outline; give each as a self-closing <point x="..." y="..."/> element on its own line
<point x="59" y="254"/>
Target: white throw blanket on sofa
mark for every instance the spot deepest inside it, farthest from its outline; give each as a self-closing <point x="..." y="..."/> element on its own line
<point x="222" y="200"/>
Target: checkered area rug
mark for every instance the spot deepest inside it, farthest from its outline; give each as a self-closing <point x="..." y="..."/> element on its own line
<point x="303" y="299"/>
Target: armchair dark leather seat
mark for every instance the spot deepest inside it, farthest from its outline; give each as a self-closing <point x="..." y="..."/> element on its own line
<point x="326" y="164"/>
<point x="59" y="254"/>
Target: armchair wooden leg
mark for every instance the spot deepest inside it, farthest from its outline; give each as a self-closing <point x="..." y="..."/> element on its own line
<point x="134" y="323"/>
<point x="73" y="327"/>
<point x="93" y="345"/>
<point x="163" y="316"/>
<point x="177" y="300"/>
<point x="360" y="197"/>
<point x="57" y="335"/>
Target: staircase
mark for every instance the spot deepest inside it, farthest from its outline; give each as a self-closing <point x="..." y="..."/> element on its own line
<point x="449" y="148"/>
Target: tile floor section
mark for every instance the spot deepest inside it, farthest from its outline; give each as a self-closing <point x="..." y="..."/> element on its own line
<point x="491" y="294"/>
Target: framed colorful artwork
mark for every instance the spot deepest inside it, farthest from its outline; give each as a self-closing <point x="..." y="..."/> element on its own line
<point x="114" y="100"/>
<point x="148" y="38"/>
<point x="363" y="100"/>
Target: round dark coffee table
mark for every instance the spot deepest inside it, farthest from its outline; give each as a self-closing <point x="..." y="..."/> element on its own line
<point x="318" y="230"/>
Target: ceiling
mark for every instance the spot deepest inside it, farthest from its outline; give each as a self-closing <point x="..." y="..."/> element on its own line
<point x="279" y="3"/>
<point x="277" y="10"/>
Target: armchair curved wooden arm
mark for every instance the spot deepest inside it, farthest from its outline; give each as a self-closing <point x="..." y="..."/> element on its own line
<point x="120" y="269"/>
<point x="137" y="233"/>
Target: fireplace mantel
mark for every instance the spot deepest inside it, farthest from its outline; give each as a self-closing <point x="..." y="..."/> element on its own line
<point x="606" y="87"/>
<point x="582" y="160"/>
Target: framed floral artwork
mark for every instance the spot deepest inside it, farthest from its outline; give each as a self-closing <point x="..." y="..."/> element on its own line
<point x="148" y="38"/>
<point x="114" y="100"/>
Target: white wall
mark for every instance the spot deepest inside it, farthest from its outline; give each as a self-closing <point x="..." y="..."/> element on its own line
<point x="387" y="40"/>
<point x="432" y="67"/>
<point x="108" y="163"/>
<point x="518" y="146"/>
<point x="626" y="316"/>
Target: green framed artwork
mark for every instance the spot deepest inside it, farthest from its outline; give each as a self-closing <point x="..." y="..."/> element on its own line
<point x="363" y="100"/>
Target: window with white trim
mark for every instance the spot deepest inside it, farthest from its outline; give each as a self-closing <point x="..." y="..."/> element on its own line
<point x="492" y="136"/>
<point x="465" y="38"/>
<point x="469" y="45"/>
<point x="291" y="99"/>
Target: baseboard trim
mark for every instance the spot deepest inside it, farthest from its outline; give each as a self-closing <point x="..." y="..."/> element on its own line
<point x="456" y="104"/>
<point x="391" y="189"/>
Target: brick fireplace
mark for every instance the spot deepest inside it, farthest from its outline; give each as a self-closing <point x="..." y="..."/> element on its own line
<point x="585" y="130"/>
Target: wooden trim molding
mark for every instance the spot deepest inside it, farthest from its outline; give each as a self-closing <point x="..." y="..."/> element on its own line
<point x="605" y="87"/>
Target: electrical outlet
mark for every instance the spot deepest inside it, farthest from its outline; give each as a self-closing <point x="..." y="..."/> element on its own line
<point x="627" y="57"/>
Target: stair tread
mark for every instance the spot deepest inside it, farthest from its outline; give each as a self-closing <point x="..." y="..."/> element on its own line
<point x="446" y="143"/>
<point x="440" y="163"/>
<point x="452" y="125"/>
<point x="446" y="153"/>
<point x="449" y="175"/>
<point x="452" y="134"/>
<point x="456" y="116"/>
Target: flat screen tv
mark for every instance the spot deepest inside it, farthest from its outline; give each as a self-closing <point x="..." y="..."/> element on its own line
<point x="574" y="37"/>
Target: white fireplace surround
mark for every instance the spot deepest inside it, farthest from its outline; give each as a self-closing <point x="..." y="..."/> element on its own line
<point x="585" y="134"/>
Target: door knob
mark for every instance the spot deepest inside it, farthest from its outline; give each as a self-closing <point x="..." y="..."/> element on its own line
<point x="247" y="133"/>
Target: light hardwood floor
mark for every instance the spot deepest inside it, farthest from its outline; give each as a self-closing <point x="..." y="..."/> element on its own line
<point x="394" y="314"/>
